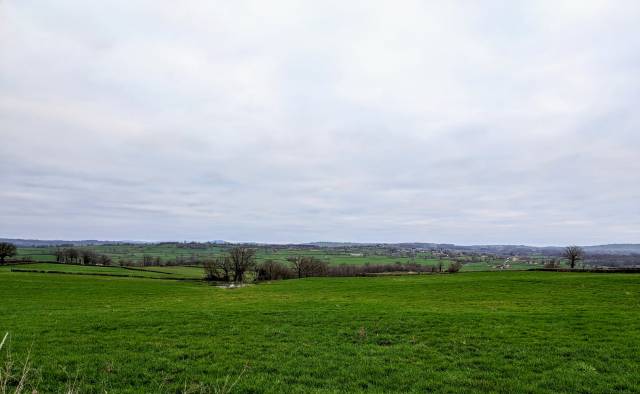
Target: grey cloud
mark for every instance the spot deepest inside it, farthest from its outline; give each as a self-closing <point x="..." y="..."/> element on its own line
<point x="297" y="121"/>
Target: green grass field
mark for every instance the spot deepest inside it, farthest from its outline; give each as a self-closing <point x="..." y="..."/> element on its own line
<point x="493" y="332"/>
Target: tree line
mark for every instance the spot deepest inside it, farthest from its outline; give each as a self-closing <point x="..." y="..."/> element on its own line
<point x="7" y="250"/>
<point x="81" y="256"/>
<point x="234" y="266"/>
<point x="241" y="260"/>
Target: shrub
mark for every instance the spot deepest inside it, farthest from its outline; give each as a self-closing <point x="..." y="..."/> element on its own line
<point x="361" y="270"/>
<point x="274" y="270"/>
<point x="304" y="266"/>
<point x="348" y="270"/>
<point x="218" y="269"/>
<point x="7" y="250"/>
<point x="454" y="267"/>
<point x="103" y="259"/>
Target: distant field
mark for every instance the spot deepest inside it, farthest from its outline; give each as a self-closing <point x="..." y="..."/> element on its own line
<point x="127" y="252"/>
<point x="492" y="331"/>
<point x="170" y="253"/>
<point x="491" y="266"/>
<point x="183" y="271"/>
<point x="151" y="272"/>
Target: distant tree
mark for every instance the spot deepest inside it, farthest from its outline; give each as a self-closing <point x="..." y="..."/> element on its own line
<point x="273" y="270"/>
<point x="218" y="269"/>
<point x="210" y="270"/>
<point x="242" y="259"/>
<point x="103" y="259"/>
<point x="225" y="264"/>
<point x="125" y="262"/>
<point x="71" y="255"/>
<point x="296" y="264"/>
<point x="59" y="253"/>
<point x="6" y="250"/>
<point x="88" y="256"/>
<point x="308" y="266"/>
<point x="147" y="260"/>
<point x="573" y="254"/>
<point x="454" y="267"/>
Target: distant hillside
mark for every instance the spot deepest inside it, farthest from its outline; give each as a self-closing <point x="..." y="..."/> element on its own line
<point x="502" y="250"/>
<point x="618" y="249"/>
<point x="614" y="249"/>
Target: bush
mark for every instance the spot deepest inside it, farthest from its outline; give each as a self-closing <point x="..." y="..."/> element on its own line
<point x="274" y="270"/>
<point x="304" y="266"/>
<point x="218" y="269"/>
<point x="361" y="270"/>
<point x="454" y="267"/>
<point x="103" y="259"/>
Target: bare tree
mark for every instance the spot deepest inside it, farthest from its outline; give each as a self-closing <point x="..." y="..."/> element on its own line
<point x="242" y="260"/>
<point x="273" y="270"/>
<point x="454" y="267"/>
<point x="6" y="250"/>
<point x="308" y="266"/>
<point x="218" y="269"/>
<point x="103" y="259"/>
<point x="211" y="271"/>
<point x="573" y="254"/>
<point x="147" y="260"/>
<point x="296" y="263"/>
<point x="88" y="256"/>
<point x="71" y="255"/>
<point x="59" y="253"/>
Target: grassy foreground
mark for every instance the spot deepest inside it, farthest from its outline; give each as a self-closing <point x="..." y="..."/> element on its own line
<point x="494" y="332"/>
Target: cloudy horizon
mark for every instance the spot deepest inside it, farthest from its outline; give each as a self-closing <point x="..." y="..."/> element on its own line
<point x="298" y="121"/>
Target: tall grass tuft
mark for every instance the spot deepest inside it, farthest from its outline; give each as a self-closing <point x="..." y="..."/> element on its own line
<point x="228" y="384"/>
<point x="20" y="379"/>
<point x="13" y="378"/>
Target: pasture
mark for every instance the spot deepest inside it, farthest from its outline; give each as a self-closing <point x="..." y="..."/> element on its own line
<point x="171" y="254"/>
<point x="477" y="331"/>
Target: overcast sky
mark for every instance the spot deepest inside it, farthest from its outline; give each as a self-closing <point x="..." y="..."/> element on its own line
<point x="292" y="121"/>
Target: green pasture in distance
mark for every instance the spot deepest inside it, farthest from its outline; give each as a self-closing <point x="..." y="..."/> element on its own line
<point x="152" y="272"/>
<point x="169" y="253"/>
